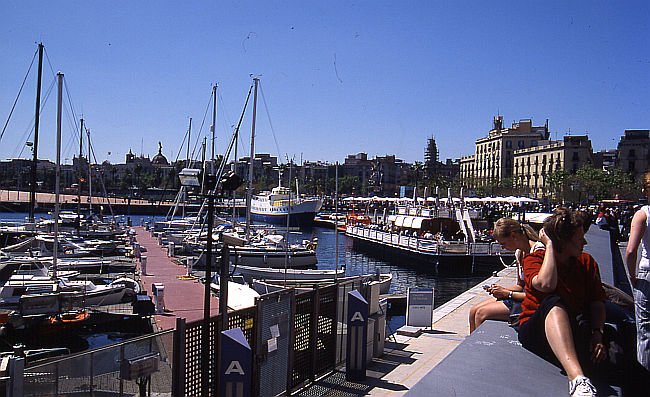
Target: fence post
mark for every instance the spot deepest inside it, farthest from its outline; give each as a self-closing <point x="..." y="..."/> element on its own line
<point x="178" y="363"/>
<point x="357" y="323"/>
<point x="314" y="331"/>
<point x="236" y="364"/>
<point x="15" y="385"/>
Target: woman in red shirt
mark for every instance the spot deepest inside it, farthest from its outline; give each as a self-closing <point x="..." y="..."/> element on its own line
<point x="562" y="283"/>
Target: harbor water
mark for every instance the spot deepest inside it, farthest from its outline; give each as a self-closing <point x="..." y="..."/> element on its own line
<point x="405" y="273"/>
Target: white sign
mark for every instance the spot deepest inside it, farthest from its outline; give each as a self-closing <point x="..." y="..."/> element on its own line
<point x="275" y="331"/>
<point x="419" y="307"/>
<point x="273" y="345"/>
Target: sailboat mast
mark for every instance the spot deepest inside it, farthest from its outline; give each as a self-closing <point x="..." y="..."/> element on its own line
<point x="58" y="173"/>
<point x="336" y="221"/>
<point x="249" y="190"/>
<point x="90" y="178"/>
<point x="187" y="163"/>
<point x="234" y="169"/>
<point x="214" y="124"/>
<point x="32" y="192"/>
<point x="189" y="133"/>
<point x="81" y="139"/>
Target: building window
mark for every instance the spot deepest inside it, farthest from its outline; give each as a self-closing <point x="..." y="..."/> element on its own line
<point x="632" y="153"/>
<point x="508" y="144"/>
<point x="533" y="144"/>
<point x="575" y="157"/>
<point x="520" y="144"/>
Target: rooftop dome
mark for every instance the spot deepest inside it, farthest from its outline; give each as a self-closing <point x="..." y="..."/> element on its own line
<point x="159" y="159"/>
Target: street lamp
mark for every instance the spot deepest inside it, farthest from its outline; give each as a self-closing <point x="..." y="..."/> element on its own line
<point x="192" y="178"/>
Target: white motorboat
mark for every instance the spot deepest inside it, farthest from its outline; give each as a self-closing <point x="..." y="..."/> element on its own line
<point x="267" y="273"/>
<point x="240" y="296"/>
<point x="74" y="293"/>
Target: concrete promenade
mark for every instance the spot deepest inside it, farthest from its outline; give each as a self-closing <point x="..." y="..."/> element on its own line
<point x="183" y="297"/>
<point x="407" y="360"/>
<point x="450" y="328"/>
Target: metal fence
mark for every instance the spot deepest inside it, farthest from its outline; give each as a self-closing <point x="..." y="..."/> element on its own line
<point x="108" y="370"/>
<point x="294" y="337"/>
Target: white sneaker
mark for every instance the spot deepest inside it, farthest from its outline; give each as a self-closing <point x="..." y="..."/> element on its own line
<point x="581" y="387"/>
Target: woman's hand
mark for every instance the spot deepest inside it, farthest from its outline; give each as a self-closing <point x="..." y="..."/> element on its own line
<point x="597" y="348"/>
<point x="499" y="292"/>
<point x="543" y="237"/>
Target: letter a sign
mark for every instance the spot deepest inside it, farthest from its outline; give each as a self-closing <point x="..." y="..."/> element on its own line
<point x="235" y="367"/>
<point x="357" y="317"/>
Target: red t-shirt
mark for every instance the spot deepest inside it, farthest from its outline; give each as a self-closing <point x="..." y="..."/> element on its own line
<point x="577" y="284"/>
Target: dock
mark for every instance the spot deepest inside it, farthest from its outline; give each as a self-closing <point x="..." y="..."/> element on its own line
<point x="447" y="361"/>
<point x="183" y="295"/>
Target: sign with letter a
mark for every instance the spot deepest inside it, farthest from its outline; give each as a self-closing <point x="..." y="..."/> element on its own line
<point x="236" y="364"/>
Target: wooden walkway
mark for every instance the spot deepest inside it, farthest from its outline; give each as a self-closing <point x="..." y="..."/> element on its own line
<point x="183" y="297"/>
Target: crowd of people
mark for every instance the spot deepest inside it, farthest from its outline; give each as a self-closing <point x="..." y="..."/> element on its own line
<point x="559" y="305"/>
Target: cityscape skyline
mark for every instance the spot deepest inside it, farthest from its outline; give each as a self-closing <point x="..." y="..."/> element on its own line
<point x="372" y="77"/>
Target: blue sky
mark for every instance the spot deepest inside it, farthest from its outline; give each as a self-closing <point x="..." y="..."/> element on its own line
<point x="337" y="77"/>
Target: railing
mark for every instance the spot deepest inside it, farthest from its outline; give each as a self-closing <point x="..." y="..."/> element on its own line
<point x="426" y="246"/>
<point x="101" y="371"/>
<point x="309" y="339"/>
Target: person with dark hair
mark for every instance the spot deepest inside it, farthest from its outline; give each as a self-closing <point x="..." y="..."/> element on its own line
<point x="506" y="301"/>
<point x="640" y="277"/>
<point x="562" y="285"/>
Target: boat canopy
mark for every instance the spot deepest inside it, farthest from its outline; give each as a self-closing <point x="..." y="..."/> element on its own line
<point x="413" y="222"/>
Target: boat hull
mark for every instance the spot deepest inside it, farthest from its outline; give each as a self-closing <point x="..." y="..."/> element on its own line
<point x="301" y="219"/>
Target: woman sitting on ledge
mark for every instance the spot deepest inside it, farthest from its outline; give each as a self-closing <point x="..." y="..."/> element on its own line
<point x="506" y="301"/>
<point x="562" y="283"/>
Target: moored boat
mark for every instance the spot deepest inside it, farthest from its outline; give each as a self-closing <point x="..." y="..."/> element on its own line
<point x="278" y="205"/>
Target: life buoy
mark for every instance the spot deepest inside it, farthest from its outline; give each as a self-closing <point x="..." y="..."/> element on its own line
<point x="309" y="246"/>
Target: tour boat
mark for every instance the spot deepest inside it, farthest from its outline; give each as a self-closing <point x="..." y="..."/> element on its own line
<point x="275" y="206"/>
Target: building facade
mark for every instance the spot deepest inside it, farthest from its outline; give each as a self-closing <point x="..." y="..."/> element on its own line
<point x="493" y="158"/>
<point x="634" y="152"/>
<point x="534" y="165"/>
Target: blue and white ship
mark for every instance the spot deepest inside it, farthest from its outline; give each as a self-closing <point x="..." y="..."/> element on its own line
<point x="275" y="206"/>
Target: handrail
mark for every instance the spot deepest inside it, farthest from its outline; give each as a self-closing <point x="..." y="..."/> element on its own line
<point x="426" y="245"/>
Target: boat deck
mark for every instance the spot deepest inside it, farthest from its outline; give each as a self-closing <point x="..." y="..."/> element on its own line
<point x="183" y="297"/>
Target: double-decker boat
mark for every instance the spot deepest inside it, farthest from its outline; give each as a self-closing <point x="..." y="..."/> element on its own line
<point x="278" y="204"/>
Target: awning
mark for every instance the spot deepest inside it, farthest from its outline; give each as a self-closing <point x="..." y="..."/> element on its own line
<point x="414" y="222"/>
<point x="399" y="220"/>
<point x="417" y="222"/>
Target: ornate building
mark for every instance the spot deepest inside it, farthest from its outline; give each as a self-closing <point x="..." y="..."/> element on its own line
<point x="493" y="158"/>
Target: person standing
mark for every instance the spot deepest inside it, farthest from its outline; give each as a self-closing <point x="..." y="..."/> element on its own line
<point x="640" y="276"/>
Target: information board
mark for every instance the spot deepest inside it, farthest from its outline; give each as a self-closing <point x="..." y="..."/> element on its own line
<point x="419" y="307"/>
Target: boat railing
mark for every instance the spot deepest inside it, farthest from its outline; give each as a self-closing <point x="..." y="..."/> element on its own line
<point x="427" y="246"/>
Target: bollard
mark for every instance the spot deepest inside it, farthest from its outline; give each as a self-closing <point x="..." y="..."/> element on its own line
<point x="170" y="249"/>
<point x="143" y="265"/>
<point x="188" y="265"/>
<point x="159" y="296"/>
<point x="355" y="365"/>
<point x="236" y="364"/>
<point x="136" y="250"/>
